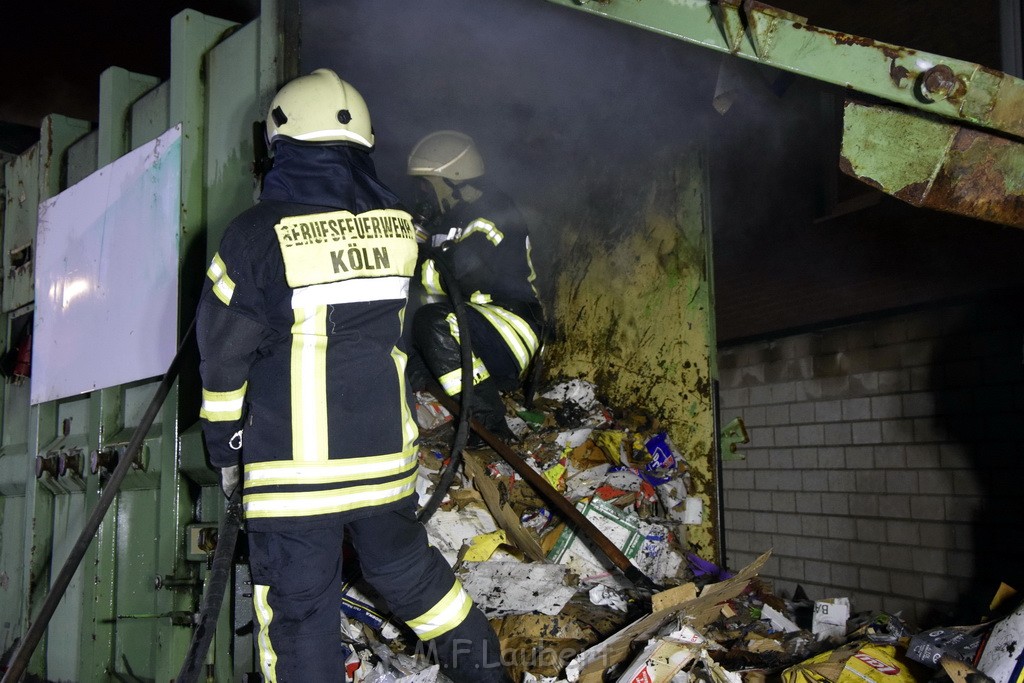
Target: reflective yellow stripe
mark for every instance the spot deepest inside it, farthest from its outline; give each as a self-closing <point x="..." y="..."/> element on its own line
<point x="451" y="382"/>
<point x="410" y="428"/>
<point x="431" y="279"/>
<point x="265" y="615"/>
<point x="309" y="384"/>
<point x="286" y="472"/>
<point x="518" y="335"/>
<point x="449" y="612"/>
<point x="307" y="503"/>
<point x="223" y="286"/>
<point x="488" y="228"/>
<point x="223" y="406"/>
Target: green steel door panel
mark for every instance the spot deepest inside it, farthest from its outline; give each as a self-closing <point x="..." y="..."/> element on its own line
<point x="753" y="30"/>
<point x="648" y="341"/>
<point x="141" y="610"/>
<point x="62" y="662"/>
<point x="149" y="115"/>
<point x="233" y="81"/>
<point x="20" y="215"/>
<point x="119" y="89"/>
<point x="934" y="163"/>
<point x="12" y="569"/>
<point x="38" y="174"/>
<point x="82" y="158"/>
<point x="58" y="133"/>
<point x="193" y="35"/>
<point x="15" y="427"/>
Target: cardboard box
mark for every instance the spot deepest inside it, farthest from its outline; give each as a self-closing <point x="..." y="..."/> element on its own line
<point x="663" y="658"/>
<point x="928" y="647"/>
<point x="1002" y="656"/>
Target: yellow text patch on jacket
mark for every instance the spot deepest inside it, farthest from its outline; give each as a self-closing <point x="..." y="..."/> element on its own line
<point x="340" y="245"/>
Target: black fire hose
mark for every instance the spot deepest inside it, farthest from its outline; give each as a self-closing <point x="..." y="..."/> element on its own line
<point x="60" y="585"/>
<point x="466" y="350"/>
<point x="213" y="596"/>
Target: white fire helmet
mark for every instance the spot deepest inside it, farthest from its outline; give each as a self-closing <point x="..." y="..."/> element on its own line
<point x="320" y="107"/>
<point x="446" y="154"/>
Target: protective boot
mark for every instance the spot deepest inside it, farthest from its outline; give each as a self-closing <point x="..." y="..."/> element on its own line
<point x="466" y="657"/>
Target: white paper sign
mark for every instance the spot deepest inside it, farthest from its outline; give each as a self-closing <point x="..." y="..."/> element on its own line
<point x="106" y="275"/>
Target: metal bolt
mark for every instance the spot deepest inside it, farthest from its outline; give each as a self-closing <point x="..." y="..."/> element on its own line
<point x="70" y="462"/>
<point x="46" y="463"/>
<point x="105" y="460"/>
<point x="940" y="83"/>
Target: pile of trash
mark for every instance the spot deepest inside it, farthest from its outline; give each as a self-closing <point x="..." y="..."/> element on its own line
<point x="563" y="613"/>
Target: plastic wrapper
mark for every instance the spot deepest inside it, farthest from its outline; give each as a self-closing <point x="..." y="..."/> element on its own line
<point x="856" y="662"/>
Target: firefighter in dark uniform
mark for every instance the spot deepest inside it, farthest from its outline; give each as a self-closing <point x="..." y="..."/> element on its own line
<point x="304" y="389"/>
<point x="484" y="239"/>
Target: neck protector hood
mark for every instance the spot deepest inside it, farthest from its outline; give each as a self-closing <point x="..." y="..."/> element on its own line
<point x="339" y="176"/>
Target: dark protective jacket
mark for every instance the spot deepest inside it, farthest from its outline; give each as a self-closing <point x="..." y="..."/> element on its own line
<point x="297" y="329"/>
<point x="488" y="247"/>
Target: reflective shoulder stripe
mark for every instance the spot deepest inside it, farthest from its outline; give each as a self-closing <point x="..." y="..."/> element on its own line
<point x="310" y="503"/>
<point x="449" y="612"/>
<point x="489" y="230"/>
<point x="223" y="286"/>
<point x="223" y="406"/>
<point x="351" y="291"/>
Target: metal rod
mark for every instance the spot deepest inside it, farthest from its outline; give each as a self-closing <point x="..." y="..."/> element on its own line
<point x="566" y="510"/>
<point x="60" y="585"/>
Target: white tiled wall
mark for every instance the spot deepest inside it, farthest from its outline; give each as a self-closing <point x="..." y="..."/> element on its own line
<point x="883" y="458"/>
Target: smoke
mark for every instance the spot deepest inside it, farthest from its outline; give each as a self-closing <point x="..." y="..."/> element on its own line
<point x="569" y="109"/>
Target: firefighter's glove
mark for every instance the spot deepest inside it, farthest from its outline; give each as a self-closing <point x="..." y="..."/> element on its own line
<point x="229" y="478"/>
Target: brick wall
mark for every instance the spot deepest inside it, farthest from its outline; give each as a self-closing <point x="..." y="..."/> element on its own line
<point x="885" y="458"/>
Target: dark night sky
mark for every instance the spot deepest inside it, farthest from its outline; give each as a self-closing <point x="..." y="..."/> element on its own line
<point x="54" y="51"/>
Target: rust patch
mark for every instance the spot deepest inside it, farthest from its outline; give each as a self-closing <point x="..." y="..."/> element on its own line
<point x="913" y="193"/>
<point x="972" y="181"/>
<point x="898" y="73"/>
<point x="762" y="8"/>
<point x="839" y="38"/>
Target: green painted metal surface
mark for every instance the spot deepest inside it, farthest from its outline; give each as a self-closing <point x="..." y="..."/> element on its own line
<point x="933" y="163"/>
<point x="648" y="342"/>
<point x="127" y="613"/>
<point x="755" y="31"/>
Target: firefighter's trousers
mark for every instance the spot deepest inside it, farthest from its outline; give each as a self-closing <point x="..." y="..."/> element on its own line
<point x="297" y="597"/>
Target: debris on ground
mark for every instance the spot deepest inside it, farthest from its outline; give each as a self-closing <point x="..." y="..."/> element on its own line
<point x="564" y="614"/>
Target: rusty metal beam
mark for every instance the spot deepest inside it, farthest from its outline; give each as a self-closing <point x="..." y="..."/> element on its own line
<point x="951" y="88"/>
<point x="933" y="163"/>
